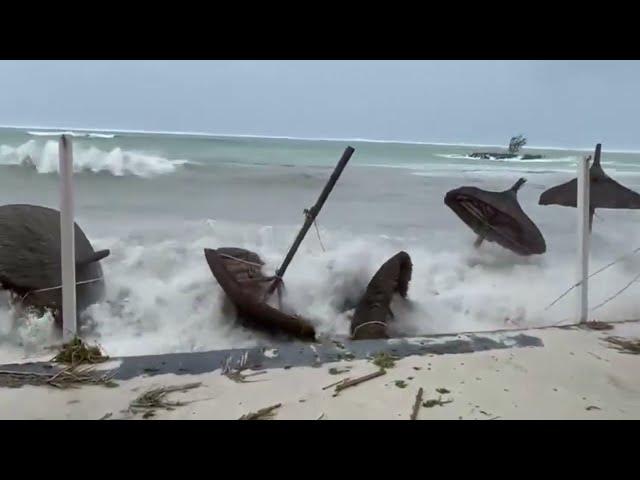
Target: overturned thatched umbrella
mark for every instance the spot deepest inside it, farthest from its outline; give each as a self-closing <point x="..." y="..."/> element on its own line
<point x="497" y="217"/>
<point x="30" y="260"/>
<point x="374" y="308"/>
<point x="604" y="192"/>
<point x="239" y="273"/>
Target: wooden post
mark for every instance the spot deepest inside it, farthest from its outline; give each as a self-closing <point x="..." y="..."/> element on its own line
<point x="583" y="238"/>
<point x="67" y="240"/>
<point x="311" y="215"/>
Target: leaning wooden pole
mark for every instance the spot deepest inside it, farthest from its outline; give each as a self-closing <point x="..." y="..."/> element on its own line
<point x="310" y="217"/>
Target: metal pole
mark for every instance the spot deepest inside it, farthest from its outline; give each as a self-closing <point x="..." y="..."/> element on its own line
<point x="583" y="238"/>
<point x="67" y="240"/>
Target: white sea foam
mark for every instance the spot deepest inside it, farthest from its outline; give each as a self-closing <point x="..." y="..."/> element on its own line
<point x="162" y="297"/>
<point x="43" y="157"/>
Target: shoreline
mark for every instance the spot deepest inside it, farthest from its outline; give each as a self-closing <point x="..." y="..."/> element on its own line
<point x="533" y="374"/>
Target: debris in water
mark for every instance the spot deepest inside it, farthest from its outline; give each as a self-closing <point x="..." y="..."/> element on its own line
<point x="400" y="383"/>
<point x="443" y="391"/>
<point x="593" y="407"/>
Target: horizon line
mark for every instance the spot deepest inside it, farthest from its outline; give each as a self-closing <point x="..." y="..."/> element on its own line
<point x="284" y="137"/>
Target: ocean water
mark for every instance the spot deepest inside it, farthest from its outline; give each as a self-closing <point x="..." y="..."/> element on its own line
<point x="157" y="200"/>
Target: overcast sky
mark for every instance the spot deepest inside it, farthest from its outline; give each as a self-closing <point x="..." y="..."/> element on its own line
<point x="559" y="103"/>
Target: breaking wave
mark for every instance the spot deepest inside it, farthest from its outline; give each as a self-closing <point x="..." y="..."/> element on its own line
<point x="518" y="159"/>
<point x="162" y="297"/>
<point x="43" y="157"/>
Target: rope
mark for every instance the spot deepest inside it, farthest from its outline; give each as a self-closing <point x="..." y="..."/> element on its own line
<point x="636" y="278"/>
<point x="59" y="286"/>
<point x="240" y="260"/>
<point x="307" y="214"/>
<point x="318" y="234"/>
<point x="630" y="254"/>
<point x="368" y="323"/>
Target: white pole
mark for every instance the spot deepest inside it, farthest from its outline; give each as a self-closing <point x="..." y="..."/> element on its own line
<point x="583" y="238"/>
<point x="67" y="240"/>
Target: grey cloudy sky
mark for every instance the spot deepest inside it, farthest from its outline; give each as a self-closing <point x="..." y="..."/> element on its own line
<point x="560" y="103"/>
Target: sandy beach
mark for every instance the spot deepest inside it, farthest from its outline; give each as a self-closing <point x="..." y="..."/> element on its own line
<point x="575" y="374"/>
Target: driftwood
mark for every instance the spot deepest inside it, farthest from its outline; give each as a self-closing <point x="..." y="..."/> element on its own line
<point x="244" y="288"/>
<point x="357" y="381"/>
<point x="262" y="413"/>
<point x="155" y="398"/>
<point x="416" y="405"/>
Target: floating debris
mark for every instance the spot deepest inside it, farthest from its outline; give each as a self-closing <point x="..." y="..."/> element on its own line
<point x="266" y="412"/>
<point x="593" y="407"/>
<point x="443" y="391"/>
<point x="400" y="383"/>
